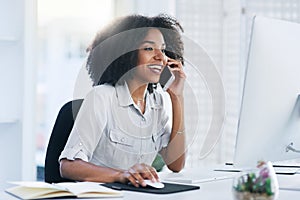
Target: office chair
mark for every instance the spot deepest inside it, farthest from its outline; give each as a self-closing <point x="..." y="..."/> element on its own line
<point x="58" y="139"/>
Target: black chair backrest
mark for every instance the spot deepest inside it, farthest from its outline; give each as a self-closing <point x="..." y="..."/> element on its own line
<point x="59" y="136"/>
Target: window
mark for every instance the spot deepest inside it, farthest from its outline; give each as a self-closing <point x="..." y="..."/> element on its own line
<point x="64" y="32"/>
<point x="215" y="25"/>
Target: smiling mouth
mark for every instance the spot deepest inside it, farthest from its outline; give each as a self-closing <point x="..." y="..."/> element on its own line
<point x="156" y="68"/>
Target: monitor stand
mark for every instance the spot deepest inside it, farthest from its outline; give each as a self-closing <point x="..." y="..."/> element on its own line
<point x="294" y="123"/>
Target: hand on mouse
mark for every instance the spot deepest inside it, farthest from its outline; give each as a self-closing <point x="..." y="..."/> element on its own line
<point x="137" y="174"/>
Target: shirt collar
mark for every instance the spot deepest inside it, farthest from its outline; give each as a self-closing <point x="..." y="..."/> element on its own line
<point x="125" y="99"/>
<point x="155" y="100"/>
<point x="123" y="95"/>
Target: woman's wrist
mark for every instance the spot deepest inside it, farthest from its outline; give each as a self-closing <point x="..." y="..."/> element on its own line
<point x="174" y="96"/>
<point x="119" y="176"/>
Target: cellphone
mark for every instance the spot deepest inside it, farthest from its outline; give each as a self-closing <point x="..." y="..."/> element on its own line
<point x="166" y="78"/>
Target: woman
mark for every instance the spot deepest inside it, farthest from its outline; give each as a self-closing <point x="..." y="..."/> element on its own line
<point x="124" y="121"/>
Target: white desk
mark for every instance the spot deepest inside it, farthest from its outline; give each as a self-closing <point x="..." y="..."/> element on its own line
<point x="214" y="190"/>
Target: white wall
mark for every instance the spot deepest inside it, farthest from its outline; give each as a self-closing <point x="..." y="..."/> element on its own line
<point x="17" y="141"/>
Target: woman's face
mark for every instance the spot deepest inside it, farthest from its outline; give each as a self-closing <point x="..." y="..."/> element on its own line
<point x="151" y="57"/>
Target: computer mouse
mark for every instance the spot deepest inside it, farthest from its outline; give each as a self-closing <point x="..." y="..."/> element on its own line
<point x="154" y="184"/>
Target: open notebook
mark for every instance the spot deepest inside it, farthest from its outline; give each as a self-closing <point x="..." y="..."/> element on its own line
<point x="42" y="190"/>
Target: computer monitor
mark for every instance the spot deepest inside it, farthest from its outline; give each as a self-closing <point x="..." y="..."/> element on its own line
<point x="269" y="119"/>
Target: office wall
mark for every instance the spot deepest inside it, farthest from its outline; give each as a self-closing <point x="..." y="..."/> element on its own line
<point x="16" y="87"/>
<point x="144" y="7"/>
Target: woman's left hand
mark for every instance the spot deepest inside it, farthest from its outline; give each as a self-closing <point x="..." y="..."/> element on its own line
<point x="178" y="85"/>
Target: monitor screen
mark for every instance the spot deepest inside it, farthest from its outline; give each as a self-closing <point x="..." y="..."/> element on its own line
<point x="269" y="117"/>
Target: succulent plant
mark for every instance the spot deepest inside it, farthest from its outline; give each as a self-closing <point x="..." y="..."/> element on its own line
<point x="261" y="182"/>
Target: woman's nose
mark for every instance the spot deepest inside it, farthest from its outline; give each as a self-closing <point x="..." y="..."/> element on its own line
<point x="160" y="55"/>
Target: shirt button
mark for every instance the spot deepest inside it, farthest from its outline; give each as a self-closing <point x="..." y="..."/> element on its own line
<point x="143" y="119"/>
<point x="122" y="139"/>
<point x="80" y="144"/>
<point x="142" y="156"/>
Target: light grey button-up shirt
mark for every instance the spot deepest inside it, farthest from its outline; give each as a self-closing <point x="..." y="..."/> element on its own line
<point x="111" y="131"/>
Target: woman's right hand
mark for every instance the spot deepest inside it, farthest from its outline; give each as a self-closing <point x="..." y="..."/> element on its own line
<point x="178" y="85"/>
<point x="138" y="173"/>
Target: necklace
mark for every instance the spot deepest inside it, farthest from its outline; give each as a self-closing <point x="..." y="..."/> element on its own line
<point x="140" y="102"/>
<point x="138" y="99"/>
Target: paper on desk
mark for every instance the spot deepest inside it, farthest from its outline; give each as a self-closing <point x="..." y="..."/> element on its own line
<point x="289" y="182"/>
<point x="278" y="170"/>
<point x="286" y="170"/>
<point x="191" y="176"/>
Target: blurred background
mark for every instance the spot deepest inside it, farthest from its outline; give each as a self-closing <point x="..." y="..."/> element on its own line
<point x="43" y="49"/>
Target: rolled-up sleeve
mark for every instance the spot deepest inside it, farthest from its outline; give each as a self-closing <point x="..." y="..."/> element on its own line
<point x="74" y="149"/>
<point x="87" y="129"/>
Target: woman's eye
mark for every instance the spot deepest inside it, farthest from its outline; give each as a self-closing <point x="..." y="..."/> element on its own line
<point x="163" y="51"/>
<point x="148" y="48"/>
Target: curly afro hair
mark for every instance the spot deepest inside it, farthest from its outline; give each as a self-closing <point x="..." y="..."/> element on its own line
<point x="113" y="51"/>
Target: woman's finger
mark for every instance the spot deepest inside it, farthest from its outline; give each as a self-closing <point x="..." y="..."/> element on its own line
<point x="147" y="174"/>
<point x="154" y="173"/>
<point x="174" y="63"/>
<point x="135" y="171"/>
